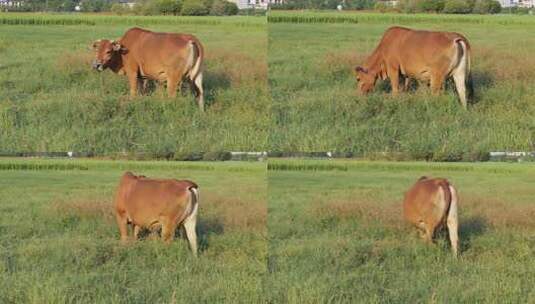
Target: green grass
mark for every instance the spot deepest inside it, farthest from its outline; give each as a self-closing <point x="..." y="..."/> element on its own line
<point x="316" y="106"/>
<point x="338" y="236"/>
<point x="51" y="100"/>
<point x="59" y="241"/>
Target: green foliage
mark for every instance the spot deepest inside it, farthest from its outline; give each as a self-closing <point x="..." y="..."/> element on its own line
<point x="380" y="7"/>
<point x="119" y="9"/>
<point x="73" y="254"/>
<point x="169" y="7"/>
<point x="194" y="8"/>
<point x="333" y="230"/>
<point x="457" y="7"/>
<point x="487" y="7"/>
<point x="91" y="112"/>
<point x="321" y="111"/>
<point x="223" y="8"/>
<point x="95" y="6"/>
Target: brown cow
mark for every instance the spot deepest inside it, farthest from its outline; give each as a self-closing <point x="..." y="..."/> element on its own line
<point x="422" y="55"/>
<point x="149" y="203"/>
<point x="142" y="55"/>
<point x="429" y="204"/>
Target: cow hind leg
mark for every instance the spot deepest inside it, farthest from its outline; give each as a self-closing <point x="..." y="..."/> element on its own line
<point x="168" y="231"/>
<point x="197" y="85"/>
<point x="453" y="222"/>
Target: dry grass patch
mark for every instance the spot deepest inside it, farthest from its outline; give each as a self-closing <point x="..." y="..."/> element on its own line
<point x="70" y="62"/>
<point x="388" y="214"/>
<point x="342" y="62"/>
<point x="517" y="66"/>
<point x="83" y="209"/>
<point x="234" y="213"/>
<point x="498" y="213"/>
<point x="240" y="69"/>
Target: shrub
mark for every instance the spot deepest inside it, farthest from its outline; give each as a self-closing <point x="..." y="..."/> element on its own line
<point x="119" y="9"/>
<point x="194" y="8"/>
<point x="223" y="8"/>
<point x="380" y="6"/>
<point x="457" y="7"/>
<point x="430" y="5"/>
<point x="487" y="7"/>
<point x="168" y="7"/>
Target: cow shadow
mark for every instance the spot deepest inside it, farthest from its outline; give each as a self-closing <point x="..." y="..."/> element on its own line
<point x="469" y="229"/>
<point x="205" y="228"/>
<point x="212" y="82"/>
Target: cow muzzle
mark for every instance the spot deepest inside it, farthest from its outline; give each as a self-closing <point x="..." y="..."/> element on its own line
<point x="97" y="65"/>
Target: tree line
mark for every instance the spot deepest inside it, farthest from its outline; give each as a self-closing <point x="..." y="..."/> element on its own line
<point x="404" y="6"/>
<point x="141" y="7"/>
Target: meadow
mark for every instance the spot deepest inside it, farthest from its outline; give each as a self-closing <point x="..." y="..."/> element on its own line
<point x="316" y="107"/>
<point x="51" y="99"/>
<point x="59" y="242"/>
<point x="336" y="234"/>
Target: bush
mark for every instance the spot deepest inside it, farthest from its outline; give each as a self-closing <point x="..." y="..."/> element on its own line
<point x="430" y="6"/>
<point x="194" y="8"/>
<point x="119" y="9"/>
<point x="380" y="7"/>
<point x="168" y="7"/>
<point x="223" y="8"/>
<point x="457" y="7"/>
<point x="487" y="7"/>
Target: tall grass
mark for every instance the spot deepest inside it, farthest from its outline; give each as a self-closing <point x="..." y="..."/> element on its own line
<point x="316" y="106"/>
<point x="59" y="241"/>
<point x="339" y="237"/>
<point x="53" y="101"/>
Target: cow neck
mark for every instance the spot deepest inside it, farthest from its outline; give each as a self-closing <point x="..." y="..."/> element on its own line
<point x="373" y="63"/>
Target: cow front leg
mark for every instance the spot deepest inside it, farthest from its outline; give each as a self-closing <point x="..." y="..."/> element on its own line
<point x="393" y="73"/>
<point x="137" y="229"/>
<point x="133" y="81"/>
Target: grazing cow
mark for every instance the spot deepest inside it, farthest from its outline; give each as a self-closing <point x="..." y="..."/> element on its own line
<point x="423" y="55"/>
<point x="142" y="55"/>
<point x="149" y="203"/>
<point x="429" y="204"/>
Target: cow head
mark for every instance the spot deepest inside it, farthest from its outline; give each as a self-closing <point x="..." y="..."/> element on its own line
<point x="107" y="54"/>
<point x="365" y="79"/>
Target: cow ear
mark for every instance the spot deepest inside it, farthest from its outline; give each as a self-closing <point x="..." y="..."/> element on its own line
<point x="96" y="44"/>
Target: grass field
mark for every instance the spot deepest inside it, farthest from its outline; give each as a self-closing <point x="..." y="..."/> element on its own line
<point x="336" y="234"/>
<point x="316" y="107"/>
<point x="59" y="242"/>
<point x="51" y="100"/>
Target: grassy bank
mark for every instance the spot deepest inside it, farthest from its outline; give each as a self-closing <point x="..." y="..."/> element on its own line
<point x="59" y="241"/>
<point x="338" y="236"/>
<point x="316" y="106"/>
<point x="51" y="100"/>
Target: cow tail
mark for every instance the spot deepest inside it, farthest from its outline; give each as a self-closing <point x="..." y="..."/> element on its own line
<point x="445" y="186"/>
<point x="454" y="201"/>
<point x="465" y="60"/>
<point x="198" y="49"/>
<point x="194" y="192"/>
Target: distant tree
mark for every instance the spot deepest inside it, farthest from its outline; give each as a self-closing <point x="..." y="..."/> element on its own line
<point x="194" y="8"/>
<point x="361" y="4"/>
<point x="380" y="7"/>
<point x="223" y="8"/>
<point x="457" y="7"/>
<point x="430" y="5"/>
<point x="487" y="7"/>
